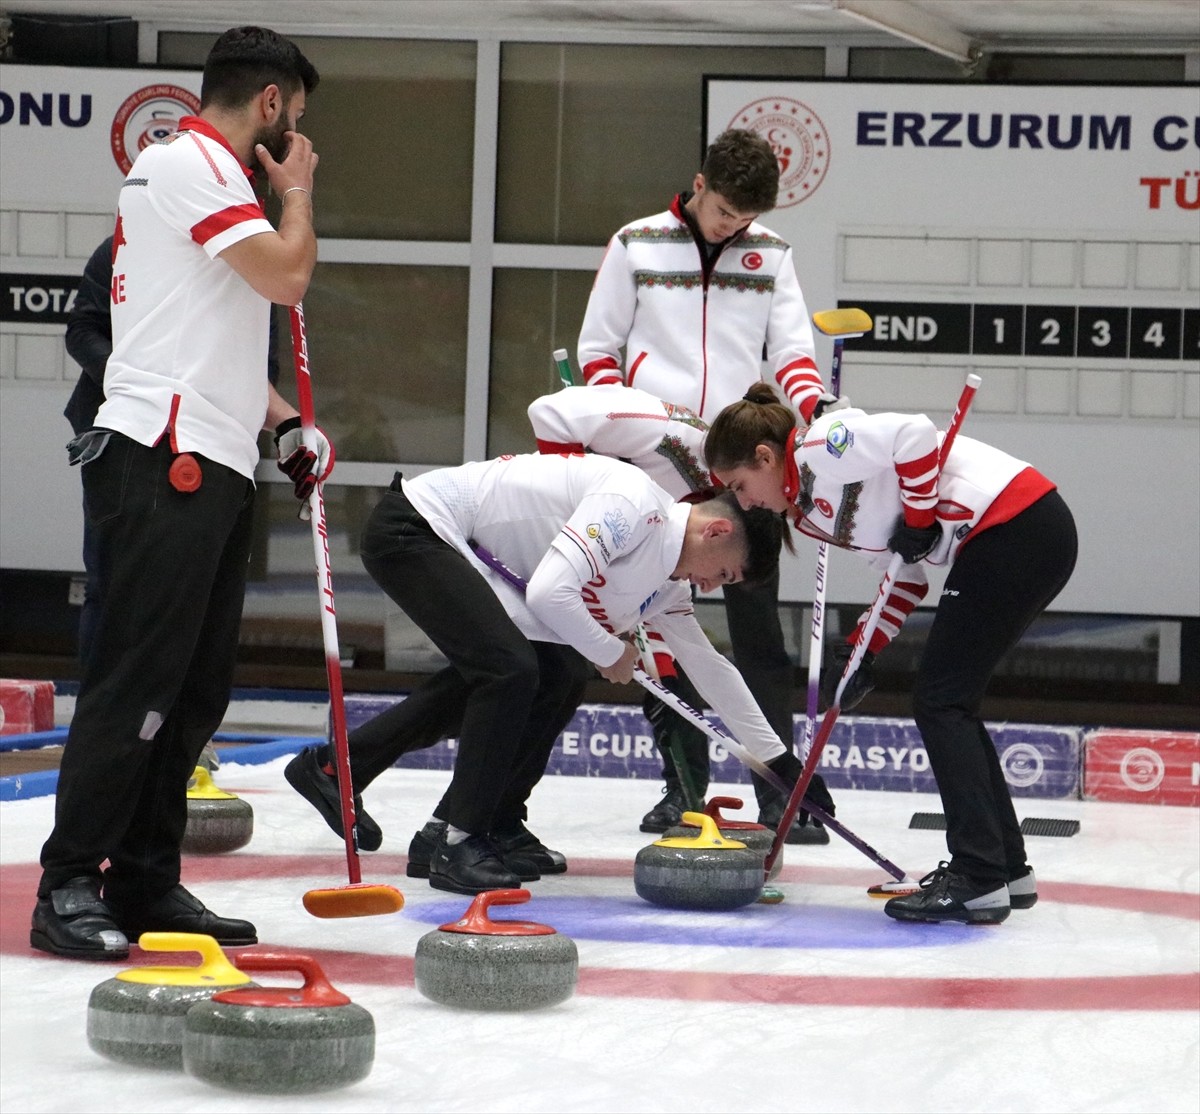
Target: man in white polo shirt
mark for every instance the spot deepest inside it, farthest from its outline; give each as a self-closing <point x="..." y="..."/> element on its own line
<point x="168" y="485"/>
<point x="601" y="548"/>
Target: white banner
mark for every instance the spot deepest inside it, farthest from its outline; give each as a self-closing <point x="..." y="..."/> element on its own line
<point x="1046" y="237"/>
<point x="69" y="134"/>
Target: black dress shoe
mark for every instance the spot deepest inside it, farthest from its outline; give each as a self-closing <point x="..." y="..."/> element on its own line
<point x="306" y="775"/>
<point x="74" y="921"/>
<point x="179" y="911"/>
<point x="469" y="867"/>
<point x="520" y="849"/>
<point x="420" y="852"/>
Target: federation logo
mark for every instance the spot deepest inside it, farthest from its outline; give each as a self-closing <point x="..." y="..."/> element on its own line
<point x="799" y="140"/>
<point x="838" y="439"/>
<point x="1143" y="769"/>
<point x="593" y="530"/>
<point x="618" y="527"/>
<point x="1022" y="764"/>
<point x="148" y="116"/>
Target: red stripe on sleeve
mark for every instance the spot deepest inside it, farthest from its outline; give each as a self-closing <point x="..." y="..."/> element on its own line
<point x="216" y="223"/>
<point x="912" y="469"/>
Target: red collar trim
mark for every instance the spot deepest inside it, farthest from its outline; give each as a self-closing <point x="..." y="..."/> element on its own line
<point x="199" y="124"/>
<point x="791" y="471"/>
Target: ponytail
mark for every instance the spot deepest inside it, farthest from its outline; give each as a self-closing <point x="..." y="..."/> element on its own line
<point x="759" y="418"/>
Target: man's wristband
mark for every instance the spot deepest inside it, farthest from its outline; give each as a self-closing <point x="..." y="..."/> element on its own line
<point x="293" y="189"/>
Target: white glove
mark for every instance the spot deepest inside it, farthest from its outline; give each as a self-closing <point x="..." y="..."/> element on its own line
<point x="829" y="402"/>
<point x="301" y="465"/>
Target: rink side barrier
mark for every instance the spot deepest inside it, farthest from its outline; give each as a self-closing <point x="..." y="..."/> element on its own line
<point x="864" y="752"/>
<point x="614" y="740"/>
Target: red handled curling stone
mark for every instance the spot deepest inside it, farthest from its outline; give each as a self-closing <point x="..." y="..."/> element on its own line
<point x="706" y="871"/>
<point x="138" y="1017"/>
<point x="757" y="837"/>
<point x="480" y="964"/>
<point x="216" y="821"/>
<point x="279" y="1040"/>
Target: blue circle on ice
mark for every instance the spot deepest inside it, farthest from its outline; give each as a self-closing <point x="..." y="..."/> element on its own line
<point x="752" y="926"/>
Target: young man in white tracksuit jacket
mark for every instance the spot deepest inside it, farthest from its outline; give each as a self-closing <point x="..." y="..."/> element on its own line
<point x="696" y="297"/>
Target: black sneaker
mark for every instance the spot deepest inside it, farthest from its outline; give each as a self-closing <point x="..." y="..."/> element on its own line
<point x="946" y="896"/>
<point x="180" y="911"/>
<point x="306" y="775"/>
<point x="667" y="813"/>
<point x="1022" y="889"/>
<point x="469" y="867"/>
<point x="519" y="847"/>
<point x="74" y="921"/>
<point x="813" y="832"/>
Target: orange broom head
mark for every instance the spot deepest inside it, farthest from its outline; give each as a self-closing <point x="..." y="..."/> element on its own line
<point x="359" y="900"/>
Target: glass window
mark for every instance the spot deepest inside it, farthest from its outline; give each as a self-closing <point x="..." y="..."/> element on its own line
<point x="388" y="352"/>
<point x="394" y="124"/>
<point x="593" y="136"/>
<point x="533" y="313"/>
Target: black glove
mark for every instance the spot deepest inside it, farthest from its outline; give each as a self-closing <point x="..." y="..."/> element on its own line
<point x="301" y="465"/>
<point x="828" y="402"/>
<point x="818" y="793"/>
<point x="861" y="682"/>
<point x="914" y="543"/>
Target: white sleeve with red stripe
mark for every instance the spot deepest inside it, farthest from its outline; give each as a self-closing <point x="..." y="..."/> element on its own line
<point x="915" y="457"/>
<point x="201" y="191"/>
<point x="791" y="350"/>
<point x="608" y="318"/>
<point x="908" y="590"/>
<point x="554" y="596"/>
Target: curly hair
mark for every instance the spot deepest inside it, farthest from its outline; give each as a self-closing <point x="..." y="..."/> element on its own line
<point x="741" y="166"/>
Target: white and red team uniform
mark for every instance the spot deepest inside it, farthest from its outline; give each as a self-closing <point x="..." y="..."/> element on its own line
<point x="596" y="541"/>
<point x="852" y="475"/>
<point x="695" y="336"/>
<point x="190" y="341"/>
<point x="190" y="335"/>
<point x="664" y="440"/>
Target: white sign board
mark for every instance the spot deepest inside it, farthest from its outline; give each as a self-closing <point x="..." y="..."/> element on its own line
<point x="1045" y="237"/>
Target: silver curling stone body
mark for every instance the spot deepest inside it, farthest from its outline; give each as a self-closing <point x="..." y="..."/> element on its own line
<point x="138" y="1016"/>
<point x="279" y="1040"/>
<point x="706" y="871"/>
<point x="480" y="964"/>
<point x="217" y="822"/>
<point x="757" y="837"/>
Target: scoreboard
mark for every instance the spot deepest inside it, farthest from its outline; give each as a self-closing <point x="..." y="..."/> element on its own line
<point x="1042" y="331"/>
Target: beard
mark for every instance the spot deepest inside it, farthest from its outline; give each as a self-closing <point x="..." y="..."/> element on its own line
<point x="273" y="140"/>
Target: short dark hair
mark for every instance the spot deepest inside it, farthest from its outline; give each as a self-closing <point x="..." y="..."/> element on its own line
<point x="245" y="60"/>
<point x="762" y="529"/>
<point x="741" y="166"/>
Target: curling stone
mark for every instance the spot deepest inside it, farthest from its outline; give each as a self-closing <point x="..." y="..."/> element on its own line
<point x="755" y="836"/>
<point x="216" y="821"/>
<point x="480" y="964"/>
<point x="282" y="1039"/>
<point x="706" y="871"/>
<point x="137" y="1017"/>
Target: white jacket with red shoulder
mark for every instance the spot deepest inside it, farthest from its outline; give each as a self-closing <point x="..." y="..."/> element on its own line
<point x="852" y="476"/>
<point x="696" y="336"/>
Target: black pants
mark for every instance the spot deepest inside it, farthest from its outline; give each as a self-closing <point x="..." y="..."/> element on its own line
<point x="157" y="679"/>
<point x="506" y="698"/>
<point x="761" y="657"/>
<point x="1000" y="582"/>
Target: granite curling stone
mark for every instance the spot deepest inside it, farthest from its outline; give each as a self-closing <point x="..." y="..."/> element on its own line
<point x="279" y="1040"/>
<point x="757" y="837"/>
<point x="706" y="871"/>
<point x="216" y="821"/>
<point x="138" y="1017"/>
<point x="480" y="964"/>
